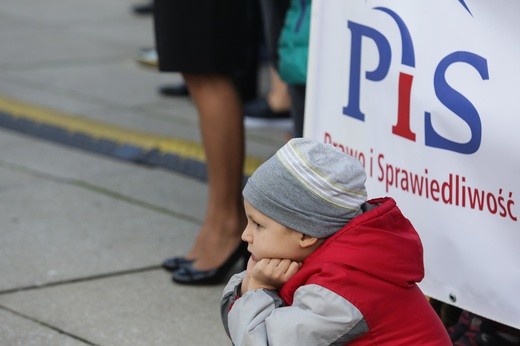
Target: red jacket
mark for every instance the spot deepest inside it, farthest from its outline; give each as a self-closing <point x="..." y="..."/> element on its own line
<point x="374" y="262"/>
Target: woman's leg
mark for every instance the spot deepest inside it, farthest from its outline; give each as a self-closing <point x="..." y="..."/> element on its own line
<point x="222" y="129"/>
<point x="273" y="15"/>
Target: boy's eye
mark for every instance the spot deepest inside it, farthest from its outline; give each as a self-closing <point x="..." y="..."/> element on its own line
<point x="255" y="223"/>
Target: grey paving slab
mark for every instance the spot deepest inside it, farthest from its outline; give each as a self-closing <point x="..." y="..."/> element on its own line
<point x="149" y="112"/>
<point x="57" y="12"/>
<point x="17" y="330"/>
<point x="55" y="230"/>
<point x="17" y="90"/>
<point x="55" y="159"/>
<point x="176" y="193"/>
<point x="113" y="83"/>
<point x="180" y="109"/>
<point x="138" y="309"/>
<point x="177" y="119"/>
<point x="93" y="21"/>
<point x="53" y="45"/>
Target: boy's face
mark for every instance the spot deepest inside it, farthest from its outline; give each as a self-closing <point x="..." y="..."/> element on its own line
<point x="267" y="238"/>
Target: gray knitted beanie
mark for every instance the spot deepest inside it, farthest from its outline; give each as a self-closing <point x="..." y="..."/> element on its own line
<point x="308" y="186"/>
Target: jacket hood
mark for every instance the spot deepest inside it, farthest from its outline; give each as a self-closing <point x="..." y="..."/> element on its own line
<point x="381" y="243"/>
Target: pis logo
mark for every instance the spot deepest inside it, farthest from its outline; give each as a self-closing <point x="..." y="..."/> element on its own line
<point x="453" y="99"/>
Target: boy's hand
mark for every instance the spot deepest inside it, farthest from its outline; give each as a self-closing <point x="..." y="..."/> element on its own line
<point x="269" y="273"/>
<point x="245" y="283"/>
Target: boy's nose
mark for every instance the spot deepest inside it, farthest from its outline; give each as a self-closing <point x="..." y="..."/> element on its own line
<point x="245" y="235"/>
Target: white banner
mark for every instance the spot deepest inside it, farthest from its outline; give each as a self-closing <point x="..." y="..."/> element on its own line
<point x="425" y="94"/>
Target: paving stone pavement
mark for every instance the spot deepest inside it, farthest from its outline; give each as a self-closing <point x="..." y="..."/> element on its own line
<point x="82" y="235"/>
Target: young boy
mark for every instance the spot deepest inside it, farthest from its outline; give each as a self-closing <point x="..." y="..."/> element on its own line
<point x="327" y="267"/>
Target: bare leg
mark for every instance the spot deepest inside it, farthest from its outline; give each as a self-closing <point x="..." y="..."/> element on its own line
<point x="222" y="129"/>
<point x="278" y="97"/>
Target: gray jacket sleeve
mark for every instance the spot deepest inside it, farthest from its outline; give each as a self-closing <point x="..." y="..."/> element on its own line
<point x="318" y="316"/>
<point x="230" y="295"/>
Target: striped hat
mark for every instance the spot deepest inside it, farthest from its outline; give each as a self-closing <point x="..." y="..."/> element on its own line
<point x="308" y="186"/>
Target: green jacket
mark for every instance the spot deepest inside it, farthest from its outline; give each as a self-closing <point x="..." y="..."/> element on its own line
<point x="293" y="44"/>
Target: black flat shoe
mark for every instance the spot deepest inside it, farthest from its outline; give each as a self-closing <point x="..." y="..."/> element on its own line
<point x="174" y="263"/>
<point x="187" y="275"/>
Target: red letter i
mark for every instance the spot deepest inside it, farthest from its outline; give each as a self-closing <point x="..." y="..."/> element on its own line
<point x="402" y="128"/>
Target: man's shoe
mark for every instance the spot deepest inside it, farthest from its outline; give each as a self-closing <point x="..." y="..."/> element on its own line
<point x="174" y="90"/>
<point x="260" y="109"/>
<point x="143" y="9"/>
<point x="258" y="114"/>
<point x="147" y="57"/>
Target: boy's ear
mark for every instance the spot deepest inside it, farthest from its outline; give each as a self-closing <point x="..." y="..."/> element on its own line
<point x="307" y="241"/>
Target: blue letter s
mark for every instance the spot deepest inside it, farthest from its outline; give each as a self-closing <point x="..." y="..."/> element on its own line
<point x="457" y="103"/>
